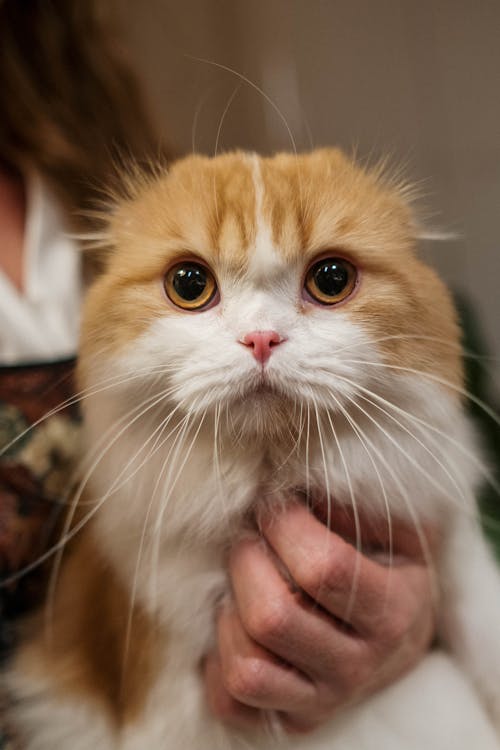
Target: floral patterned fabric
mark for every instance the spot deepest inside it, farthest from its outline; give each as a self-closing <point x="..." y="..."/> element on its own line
<point x="39" y="438"/>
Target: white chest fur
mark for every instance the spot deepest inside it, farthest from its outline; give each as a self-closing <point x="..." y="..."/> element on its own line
<point x="174" y="504"/>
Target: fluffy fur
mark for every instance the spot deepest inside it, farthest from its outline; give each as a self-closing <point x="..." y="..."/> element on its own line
<point x="362" y="403"/>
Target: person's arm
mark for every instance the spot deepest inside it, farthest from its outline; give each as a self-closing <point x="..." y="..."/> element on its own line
<point x="336" y="626"/>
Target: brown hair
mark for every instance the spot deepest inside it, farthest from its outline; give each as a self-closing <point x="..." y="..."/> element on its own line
<point x="69" y="106"/>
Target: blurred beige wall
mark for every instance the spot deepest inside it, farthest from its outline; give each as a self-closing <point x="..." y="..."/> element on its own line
<point x="419" y="80"/>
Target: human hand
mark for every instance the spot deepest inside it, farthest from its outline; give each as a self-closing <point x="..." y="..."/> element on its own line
<point x="313" y="624"/>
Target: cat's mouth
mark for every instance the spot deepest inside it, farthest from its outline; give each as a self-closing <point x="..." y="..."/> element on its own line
<point x="263" y="398"/>
<point x="263" y="391"/>
<point x="262" y="408"/>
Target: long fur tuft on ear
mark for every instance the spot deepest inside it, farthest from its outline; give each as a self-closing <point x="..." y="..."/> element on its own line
<point x="427" y="234"/>
<point x="128" y="179"/>
<point x="394" y="174"/>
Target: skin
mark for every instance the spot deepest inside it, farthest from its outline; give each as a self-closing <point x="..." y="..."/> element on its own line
<point x="292" y="638"/>
<point x="12" y="219"/>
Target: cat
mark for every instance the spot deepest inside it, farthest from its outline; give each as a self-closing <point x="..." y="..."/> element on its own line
<point x="262" y="327"/>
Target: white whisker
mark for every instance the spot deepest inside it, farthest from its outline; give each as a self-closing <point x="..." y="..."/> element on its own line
<point x="111" y="382"/>
<point x="357" y="524"/>
<point x="65" y="539"/>
<point x="436" y="379"/>
<point x="164" y="481"/>
<point x="424" y="545"/>
<point x="160" y="441"/>
<point x="360" y="435"/>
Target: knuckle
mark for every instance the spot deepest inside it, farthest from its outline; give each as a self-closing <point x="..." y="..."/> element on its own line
<point x="270" y="620"/>
<point x="245" y="679"/>
<point x="328" y="570"/>
<point x="351" y="677"/>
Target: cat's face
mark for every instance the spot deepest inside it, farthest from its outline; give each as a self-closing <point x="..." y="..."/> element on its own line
<point x="251" y="287"/>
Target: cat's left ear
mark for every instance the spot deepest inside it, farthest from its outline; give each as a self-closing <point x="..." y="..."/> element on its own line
<point x="411" y="195"/>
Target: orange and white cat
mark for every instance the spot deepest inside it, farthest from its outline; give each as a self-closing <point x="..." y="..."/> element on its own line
<point x="262" y="326"/>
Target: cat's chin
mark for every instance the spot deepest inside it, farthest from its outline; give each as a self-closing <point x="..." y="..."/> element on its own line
<point x="263" y="411"/>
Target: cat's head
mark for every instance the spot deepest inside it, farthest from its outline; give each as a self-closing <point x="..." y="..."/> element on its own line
<point x="249" y="287"/>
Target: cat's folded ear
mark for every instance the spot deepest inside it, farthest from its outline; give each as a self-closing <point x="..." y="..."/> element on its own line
<point x="394" y="175"/>
<point x="109" y="210"/>
<point x="378" y="190"/>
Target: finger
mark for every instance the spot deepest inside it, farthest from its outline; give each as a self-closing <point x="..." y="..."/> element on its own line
<point x="233" y="713"/>
<point x="253" y="676"/>
<point x="347" y="584"/>
<point x="289" y="624"/>
<point x="378" y="534"/>
<point x="221" y="703"/>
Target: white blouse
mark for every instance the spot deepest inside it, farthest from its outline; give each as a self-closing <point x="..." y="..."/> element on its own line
<point x="40" y="324"/>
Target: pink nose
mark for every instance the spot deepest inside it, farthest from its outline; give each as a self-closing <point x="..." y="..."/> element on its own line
<point x="261" y="343"/>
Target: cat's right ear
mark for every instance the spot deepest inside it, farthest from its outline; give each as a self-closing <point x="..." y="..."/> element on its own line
<point x="109" y="211"/>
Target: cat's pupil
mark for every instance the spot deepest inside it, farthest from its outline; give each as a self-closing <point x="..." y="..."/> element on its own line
<point x="189" y="282"/>
<point x="331" y="277"/>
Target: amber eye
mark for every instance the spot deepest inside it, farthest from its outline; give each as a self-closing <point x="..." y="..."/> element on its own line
<point x="190" y="285"/>
<point x="330" y="280"/>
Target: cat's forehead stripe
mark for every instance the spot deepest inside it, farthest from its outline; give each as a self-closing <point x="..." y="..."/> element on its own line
<point x="286" y="204"/>
<point x="230" y="208"/>
<point x="263" y="256"/>
<point x="257" y="211"/>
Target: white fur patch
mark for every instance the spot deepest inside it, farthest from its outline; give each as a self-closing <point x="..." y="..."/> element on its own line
<point x="49" y="721"/>
<point x="265" y="262"/>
